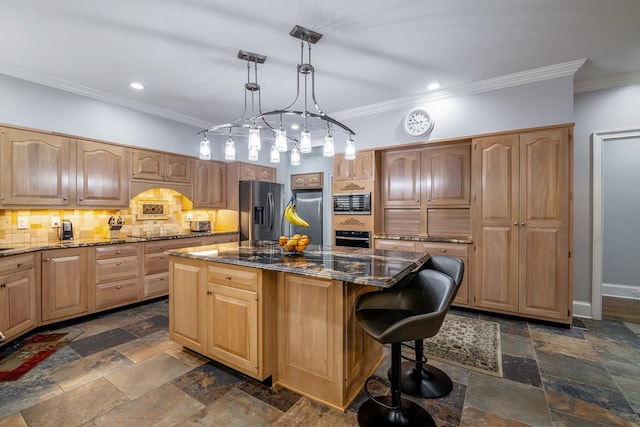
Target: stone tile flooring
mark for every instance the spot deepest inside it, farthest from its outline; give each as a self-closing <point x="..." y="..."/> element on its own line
<point x="124" y="371"/>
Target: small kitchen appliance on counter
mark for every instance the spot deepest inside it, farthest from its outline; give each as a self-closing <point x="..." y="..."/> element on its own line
<point x="66" y="230"/>
<point x="200" y="226"/>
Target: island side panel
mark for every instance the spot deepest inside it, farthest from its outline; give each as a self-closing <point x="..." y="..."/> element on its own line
<point x="186" y="303"/>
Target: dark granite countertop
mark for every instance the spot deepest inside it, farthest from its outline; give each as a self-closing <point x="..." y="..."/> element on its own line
<point x="374" y="267"/>
<point x="423" y="238"/>
<point x="16" y="249"/>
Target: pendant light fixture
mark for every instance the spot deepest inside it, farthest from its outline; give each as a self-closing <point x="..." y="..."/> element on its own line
<point x="305" y="94"/>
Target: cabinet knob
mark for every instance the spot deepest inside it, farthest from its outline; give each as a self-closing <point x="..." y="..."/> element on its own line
<point x="522" y="223"/>
<point x="118" y="263"/>
<point x="227" y="277"/>
<point x="64" y="198"/>
<point x="443" y="250"/>
<point x="19" y="264"/>
<point x="80" y="198"/>
<point x="2" y="286"/>
<point x="117" y="252"/>
<point x="46" y="259"/>
<point x="428" y="199"/>
<point x="209" y="293"/>
<point x="515" y="223"/>
<point x="118" y="287"/>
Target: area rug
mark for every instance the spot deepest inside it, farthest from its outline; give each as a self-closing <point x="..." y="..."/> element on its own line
<point x="31" y="352"/>
<point x="467" y="342"/>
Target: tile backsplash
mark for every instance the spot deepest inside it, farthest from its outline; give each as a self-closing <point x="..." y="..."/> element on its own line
<point x="93" y="223"/>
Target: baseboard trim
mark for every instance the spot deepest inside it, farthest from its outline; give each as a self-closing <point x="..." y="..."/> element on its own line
<point x="582" y="309"/>
<point x="620" y="291"/>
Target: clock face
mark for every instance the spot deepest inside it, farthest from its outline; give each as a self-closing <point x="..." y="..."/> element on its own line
<point x="418" y="123"/>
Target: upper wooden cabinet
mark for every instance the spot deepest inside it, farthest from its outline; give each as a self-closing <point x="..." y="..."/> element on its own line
<point x="401" y="178"/>
<point x="249" y="172"/>
<point x="522" y="191"/>
<point x="446" y="175"/>
<point x="307" y="180"/>
<point x="362" y="168"/>
<point x="158" y="166"/>
<point x="210" y="184"/>
<point x="36" y="168"/>
<point x="101" y="174"/>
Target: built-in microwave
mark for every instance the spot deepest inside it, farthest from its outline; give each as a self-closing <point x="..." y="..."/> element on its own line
<point x="352" y="204"/>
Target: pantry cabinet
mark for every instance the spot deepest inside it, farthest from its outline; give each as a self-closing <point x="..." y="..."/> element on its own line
<point x="36" y="168"/>
<point x="65" y="283"/>
<point x="101" y="174"/>
<point x="522" y="204"/>
<point x="18" y="308"/>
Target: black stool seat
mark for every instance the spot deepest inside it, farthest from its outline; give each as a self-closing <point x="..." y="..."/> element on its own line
<point x="413" y="312"/>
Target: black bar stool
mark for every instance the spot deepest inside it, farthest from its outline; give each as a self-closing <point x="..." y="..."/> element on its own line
<point x="414" y="312"/>
<point x="417" y="377"/>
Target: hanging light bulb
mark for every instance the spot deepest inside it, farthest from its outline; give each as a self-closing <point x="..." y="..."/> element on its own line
<point x="275" y="154"/>
<point x="295" y="156"/>
<point x="253" y="155"/>
<point x="281" y="140"/>
<point x="350" y="149"/>
<point x="327" y="150"/>
<point x="305" y="141"/>
<point x="230" y="149"/>
<point x="254" y="139"/>
<point x="205" y="148"/>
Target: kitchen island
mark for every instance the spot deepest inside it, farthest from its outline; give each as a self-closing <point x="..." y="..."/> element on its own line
<point x="287" y="318"/>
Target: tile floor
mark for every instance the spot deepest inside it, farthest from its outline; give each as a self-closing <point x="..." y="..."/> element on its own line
<point x="124" y="371"/>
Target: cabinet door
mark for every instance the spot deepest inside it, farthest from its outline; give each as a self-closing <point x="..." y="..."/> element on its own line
<point x="232" y="327"/>
<point x="459" y="251"/>
<point x="544" y="219"/>
<point x="363" y="166"/>
<point x="247" y="172"/>
<point x="342" y="168"/>
<point x="35" y="168"/>
<point x="266" y="174"/>
<point x="148" y="164"/>
<point x="102" y="178"/>
<point x="218" y="186"/>
<point x="177" y="168"/>
<point x="496" y="171"/>
<point x="307" y="180"/>
<point x="17" y="303"/>
<point x="401" y="178"/>
<point x="202" y="185"/>
<point x="65" y="282"/>
<point x="446" y="175"/>
<point x="186" y="303"/>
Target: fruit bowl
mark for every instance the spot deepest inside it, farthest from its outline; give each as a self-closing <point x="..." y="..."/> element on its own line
<point x="295" y="244"/>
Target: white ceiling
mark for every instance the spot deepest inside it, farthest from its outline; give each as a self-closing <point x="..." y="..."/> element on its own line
<point x="373" y="51"/>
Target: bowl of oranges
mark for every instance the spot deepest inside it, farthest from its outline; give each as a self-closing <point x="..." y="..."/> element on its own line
<point x="295" y="244"/>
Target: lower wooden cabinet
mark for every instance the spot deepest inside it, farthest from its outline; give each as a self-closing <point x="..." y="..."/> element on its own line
<point x="65" y="283"/>
<point x="116" y="275"/>
<point x="17" y="295"/>
<point x="155" y="281"/>
<point x="224" y="312"/>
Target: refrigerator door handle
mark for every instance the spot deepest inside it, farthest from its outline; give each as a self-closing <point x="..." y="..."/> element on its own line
<point x="270" y="211"/>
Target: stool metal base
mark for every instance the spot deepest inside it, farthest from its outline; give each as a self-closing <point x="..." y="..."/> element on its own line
<point x="428" y="382"/>
<point x="411" y="414"/>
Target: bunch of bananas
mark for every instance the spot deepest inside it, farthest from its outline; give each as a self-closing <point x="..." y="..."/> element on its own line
<point x="293" y="217"/>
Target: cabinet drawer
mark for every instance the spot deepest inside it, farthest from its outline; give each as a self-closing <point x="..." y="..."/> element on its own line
<point x="112" y="251"/>
<point x="14" y="263"/>
<point x="156" y="263"/>
<point x="108" y="270"/>
<point x="156" y="285"/>
<point x="232" y="276"/>
<point x="441" y="248"/>
<point x="165" y="245"/>
<point x="225" y="238"/>
<point x="395" y="245"/>
<point x="117" y="293"/>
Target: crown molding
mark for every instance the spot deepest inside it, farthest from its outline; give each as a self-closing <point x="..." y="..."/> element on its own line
<point x="509" y="80"/>
<point x="28" y="74"/>
<point x="607" y="82"/>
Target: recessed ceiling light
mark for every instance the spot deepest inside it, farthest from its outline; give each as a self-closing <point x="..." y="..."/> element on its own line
<point x="136" y="85"/>
<point x="433" y="86"/>
<point x="295" y="126"/>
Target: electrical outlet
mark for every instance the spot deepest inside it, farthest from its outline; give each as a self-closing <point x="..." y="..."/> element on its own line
<point x="189" y="217"/>
<point x="55" y="221"/>
<point x="23" y="222"/>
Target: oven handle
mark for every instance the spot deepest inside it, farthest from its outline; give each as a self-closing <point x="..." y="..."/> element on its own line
<point x="359" y="239"/>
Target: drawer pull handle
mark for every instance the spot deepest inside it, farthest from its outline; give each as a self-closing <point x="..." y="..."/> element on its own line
<point x="227" y="277"/>
<point x="2" y="286"/>
<point x="118" y="287"/>
<point x="443" y="250"/>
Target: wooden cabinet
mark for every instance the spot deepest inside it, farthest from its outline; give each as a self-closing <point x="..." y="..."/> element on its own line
<point x="361" y="168"/>
<point x="210" y="185"/>
<point x="36" y="168"/>
<point x="17" y="295"/>
<point x="457" y="250"/>
<point x="239" y="171"/>
<point x="155" y="280"/>
<point x="223" y="238"/>
<point x="116" y="275"/>
<point x="427" y="191"/>
<point x="395" y="245"/>
<point x="65" y="282"/>
<point x="522" y="192"/>
<point x="158" y="166"/>
<point x="101" y="175"/>
<point x="186" y="303"/>
<point x="307" y="180"/>
<point x="225" y="312"/>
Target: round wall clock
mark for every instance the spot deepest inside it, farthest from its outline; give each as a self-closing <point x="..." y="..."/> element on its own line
<point x="418" y="122"/>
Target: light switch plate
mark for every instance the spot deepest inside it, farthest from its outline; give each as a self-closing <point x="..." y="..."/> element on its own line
<point x="189" y="217"/>
<point x="23" y="222"/>
<point x="55" y="221"/>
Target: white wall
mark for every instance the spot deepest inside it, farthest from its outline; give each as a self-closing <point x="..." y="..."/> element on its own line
<point x="598" y="111"/>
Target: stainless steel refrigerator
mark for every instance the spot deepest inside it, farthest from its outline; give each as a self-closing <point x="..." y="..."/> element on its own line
<point x="260" y="211"/>
<point x="309" y="208"/>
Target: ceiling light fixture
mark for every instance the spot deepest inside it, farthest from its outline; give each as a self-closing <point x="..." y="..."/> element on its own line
<point x="290" y="113"/>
